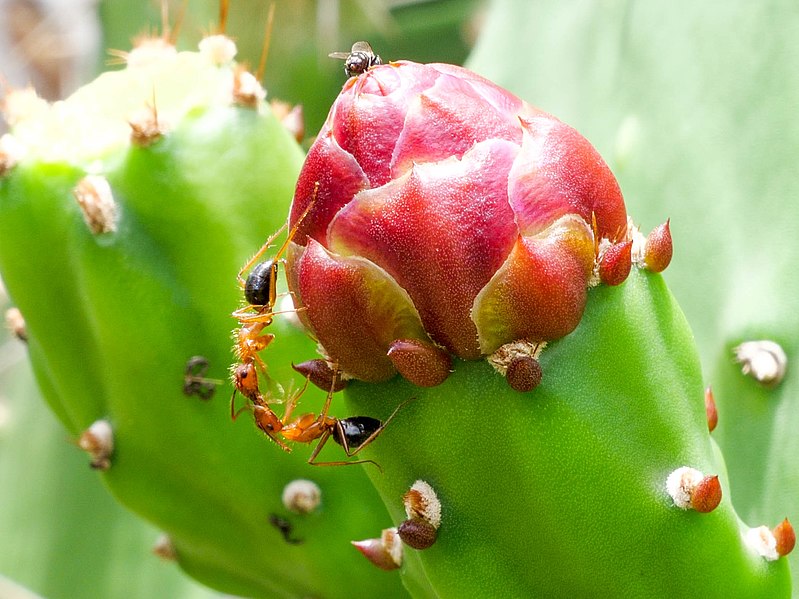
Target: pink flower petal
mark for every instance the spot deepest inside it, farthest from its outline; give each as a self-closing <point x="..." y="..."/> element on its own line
<point x="369" y="114"/>
<point x="355" y="310"/>
<point x="539" y="294"/>
<point x="449" y="118"/>
<point x="339" y="178"/>
<point x="441" y="231"/>
<point x="501" y="99"/>
<point x="559" y="172"/>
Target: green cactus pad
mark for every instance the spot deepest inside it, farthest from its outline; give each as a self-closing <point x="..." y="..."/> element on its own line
<point x="561" y="492"/>
<point x="114" y="317"/>
<point x="699" y="126"/>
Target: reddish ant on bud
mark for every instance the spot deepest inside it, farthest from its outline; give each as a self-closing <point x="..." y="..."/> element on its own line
<point x="260" y="293"/>
<point x="353" y="434"/>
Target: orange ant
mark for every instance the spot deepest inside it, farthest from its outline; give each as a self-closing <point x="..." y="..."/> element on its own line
<point x="246" y="382"/>
<point x="260" y="286"/>
<point x="260" y="293"/>
<point x="353" y="433"/>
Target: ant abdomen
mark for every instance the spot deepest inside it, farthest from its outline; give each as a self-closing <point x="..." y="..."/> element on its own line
<point x="355" y="430"/>
<point x="260" y="284"/>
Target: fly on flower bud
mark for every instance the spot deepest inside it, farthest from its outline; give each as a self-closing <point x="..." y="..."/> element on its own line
<point x="448" y="214"/>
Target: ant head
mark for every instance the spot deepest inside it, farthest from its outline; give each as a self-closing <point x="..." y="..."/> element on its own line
<point x="245" y="379"/>
<point x="267" y="420"/>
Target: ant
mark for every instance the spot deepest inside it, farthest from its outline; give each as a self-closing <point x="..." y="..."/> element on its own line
<point x="353" y="434"/>
<point x="260" y="293"/>
<point x="245" y="379"/>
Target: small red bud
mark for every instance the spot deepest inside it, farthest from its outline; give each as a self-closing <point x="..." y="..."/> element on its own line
<point x="615" y="263"/>
<point x="417" y="533"/>
<point x="421" y="363"/>
<point x="690" y="489"/>
<point x="524" y="373"/>
<point x="706" y="496"/>
<point x="659" y="248"/>
<point x="710" y="410"/>
<point x="320" y="374"/>
<point x="785" y="537"/>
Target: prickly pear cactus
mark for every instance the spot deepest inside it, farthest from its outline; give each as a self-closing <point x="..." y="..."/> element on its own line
<point x="464" y="258"/>
<point x="125" y="213"/>
<point x="697" y="126"/>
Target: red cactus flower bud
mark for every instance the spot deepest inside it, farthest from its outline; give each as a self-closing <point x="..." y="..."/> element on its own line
<point x="615" y="263"/>
<point x="706" y="496"/>
<point x="659" y="248"/>
<point x="711" y="410"/>
<point x="438" y="209"/>
<point x="785" y="537"/>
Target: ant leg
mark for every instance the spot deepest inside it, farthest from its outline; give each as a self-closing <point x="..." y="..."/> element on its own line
<point x="326" y="407"/>
<point x="259" y="253"/>
<point x="245" y="317"/>
<point x="319" y="447"/>
<point x="233" y="413"/>
<point x="292" y="402"/>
